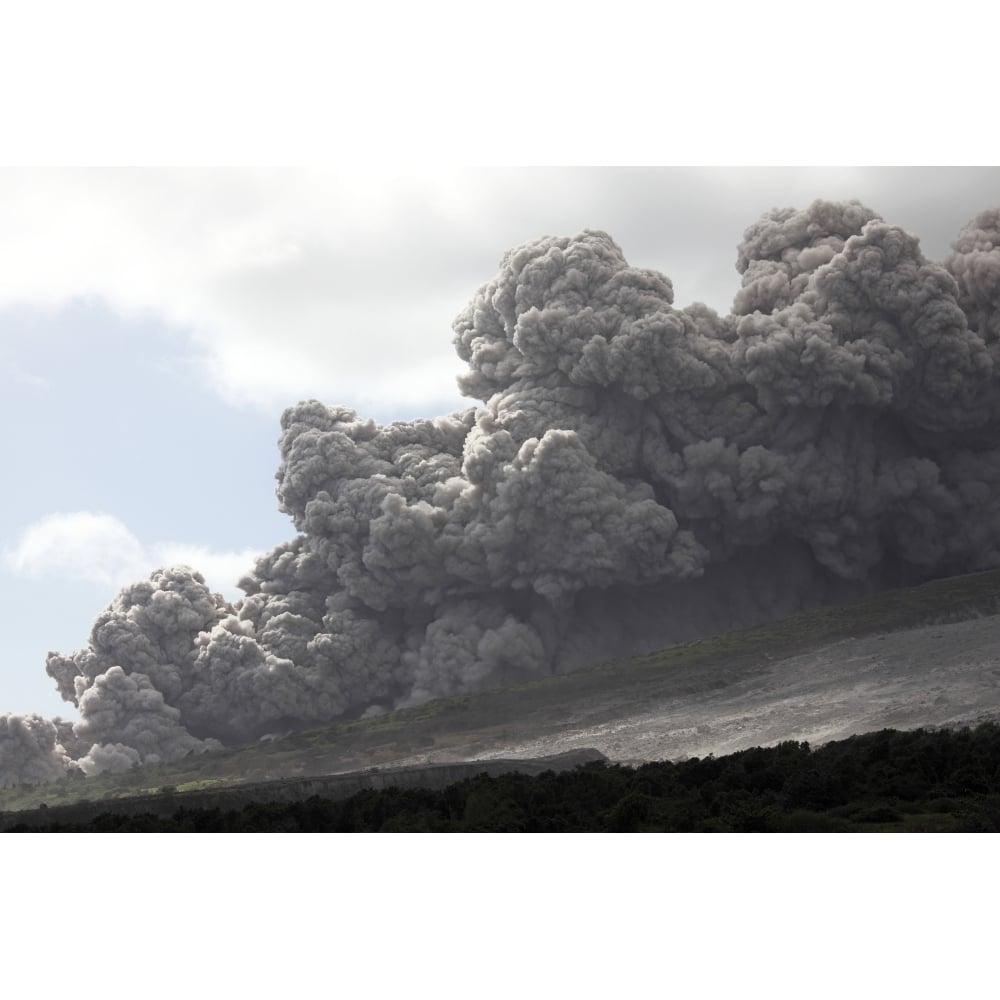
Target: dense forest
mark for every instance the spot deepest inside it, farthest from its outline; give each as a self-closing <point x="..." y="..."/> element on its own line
<point x="916" y="781"/>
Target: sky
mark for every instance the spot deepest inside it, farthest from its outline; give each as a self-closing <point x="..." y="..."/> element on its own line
<point x="155" y="322"/>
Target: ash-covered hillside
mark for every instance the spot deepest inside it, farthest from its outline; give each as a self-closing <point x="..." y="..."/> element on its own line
<point x="636" y="474"/>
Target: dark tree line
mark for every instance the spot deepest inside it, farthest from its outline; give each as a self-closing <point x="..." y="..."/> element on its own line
<point x="946" y="780"/>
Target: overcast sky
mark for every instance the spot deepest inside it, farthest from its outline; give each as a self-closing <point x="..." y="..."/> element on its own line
<point x="155" y="323"/>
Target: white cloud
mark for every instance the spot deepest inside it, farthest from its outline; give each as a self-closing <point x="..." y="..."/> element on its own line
<point x="342" y="284"/>
<point x="99" y="548"/>
<point x="220" y="569"/>
<point x="292" y="283"/>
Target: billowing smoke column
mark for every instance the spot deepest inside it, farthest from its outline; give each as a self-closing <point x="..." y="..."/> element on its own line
<point x="637" y="474"/>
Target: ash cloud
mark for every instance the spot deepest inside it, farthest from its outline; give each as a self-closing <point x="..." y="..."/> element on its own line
<point x="636" y="474"/>
<point x="30" y="751"/>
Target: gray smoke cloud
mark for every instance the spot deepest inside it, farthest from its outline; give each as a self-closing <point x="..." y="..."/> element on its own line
<point x="30" y="751"/>
<point x="636" y="474"/>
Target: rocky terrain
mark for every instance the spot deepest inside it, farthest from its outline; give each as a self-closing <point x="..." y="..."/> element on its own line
<point x="938" y="675"/>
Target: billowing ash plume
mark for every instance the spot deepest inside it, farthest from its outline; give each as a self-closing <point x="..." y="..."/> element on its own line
<point x="637" y="474"/>
<point x="30" y="752"/>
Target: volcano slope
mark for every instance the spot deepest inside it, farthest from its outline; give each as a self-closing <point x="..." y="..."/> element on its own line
<point x="926" y="656"/>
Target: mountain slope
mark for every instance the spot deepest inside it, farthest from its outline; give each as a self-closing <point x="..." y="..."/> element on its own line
<point x="924" y="656"/>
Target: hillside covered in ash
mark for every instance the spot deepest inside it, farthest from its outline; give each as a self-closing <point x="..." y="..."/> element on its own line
<point x="635" y="474"/>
